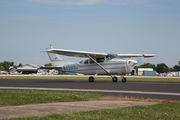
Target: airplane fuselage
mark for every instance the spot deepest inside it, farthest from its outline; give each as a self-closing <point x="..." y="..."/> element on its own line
<point x="96" y="64"/>
<point x="114" y="66"/>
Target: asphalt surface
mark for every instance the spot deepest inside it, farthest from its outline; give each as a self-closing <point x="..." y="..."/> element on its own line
<point x="158" y="90"/>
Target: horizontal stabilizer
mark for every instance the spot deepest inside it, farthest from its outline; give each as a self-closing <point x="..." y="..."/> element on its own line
<point x="50" y="68"/>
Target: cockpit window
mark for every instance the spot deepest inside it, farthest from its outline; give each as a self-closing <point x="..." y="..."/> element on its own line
<point x="111" y="56"/>
<point x="86" y="62"/>
<point x="80" y="61"/>
<point x="100" y="60"/>
<point x="108" y="58"/>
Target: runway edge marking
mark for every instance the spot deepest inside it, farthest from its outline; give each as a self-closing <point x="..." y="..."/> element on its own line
<point x="89" y="90"/>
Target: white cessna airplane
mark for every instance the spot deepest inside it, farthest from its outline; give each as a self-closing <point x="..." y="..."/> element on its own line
<point x="96" y="64"/>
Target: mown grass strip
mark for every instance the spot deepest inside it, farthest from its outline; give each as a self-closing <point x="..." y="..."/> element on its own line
<point x="166" y="111"/>
<point x="145" y="79"/>
<point x="153" y="79"/>
<point x="20" y="97"/>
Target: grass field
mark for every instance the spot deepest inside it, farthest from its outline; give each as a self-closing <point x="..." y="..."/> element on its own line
<point x="20" y="97"/>
<point x="148" y="79"/>
<point x="166" y="111"/>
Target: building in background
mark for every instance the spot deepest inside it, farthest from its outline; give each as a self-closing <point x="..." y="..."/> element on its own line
<point x="146" y="72"/>
<point x="140" y="70"/>
<point x="28" y="69"/>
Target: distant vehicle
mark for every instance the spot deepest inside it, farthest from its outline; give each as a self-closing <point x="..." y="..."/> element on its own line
<point x="96" y="64"/>
<point x="3" y="72"/>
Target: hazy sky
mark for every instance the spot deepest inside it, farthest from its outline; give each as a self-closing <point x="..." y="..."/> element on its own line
<point x="114" y="26"/>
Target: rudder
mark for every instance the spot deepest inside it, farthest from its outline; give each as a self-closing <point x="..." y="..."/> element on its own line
<point x="56" y="60"/>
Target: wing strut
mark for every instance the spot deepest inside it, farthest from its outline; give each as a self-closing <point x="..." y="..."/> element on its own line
<point x="99" y="65"/>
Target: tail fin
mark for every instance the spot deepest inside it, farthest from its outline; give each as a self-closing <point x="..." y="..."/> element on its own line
<point x="56" y="61"/>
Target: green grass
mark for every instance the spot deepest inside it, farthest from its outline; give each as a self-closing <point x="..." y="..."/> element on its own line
<point x="150" y="79"/>
<point x="153" y="79"/>
<point x="17" y="97"/>
<point x="166" y="111"/>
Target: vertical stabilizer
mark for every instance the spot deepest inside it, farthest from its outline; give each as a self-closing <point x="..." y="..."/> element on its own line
<point x="56" y="61"/>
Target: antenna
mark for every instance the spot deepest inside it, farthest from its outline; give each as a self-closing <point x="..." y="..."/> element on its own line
<point x="93" y="50"/>
<point x="103" y="51"/>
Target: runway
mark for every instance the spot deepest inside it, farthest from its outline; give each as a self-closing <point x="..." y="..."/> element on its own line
<point x="157" y="90"/>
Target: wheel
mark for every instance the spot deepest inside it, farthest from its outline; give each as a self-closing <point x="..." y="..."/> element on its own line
<point x="91" y="79"/>
<point x="114" y="79"/>
<point x="123" y="79"/>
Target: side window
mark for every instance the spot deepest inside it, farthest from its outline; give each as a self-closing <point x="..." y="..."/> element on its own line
<point x="91" y="61"/>
<point x="86" y="62"/>
<point x="81" y="62"/>
<point x="100" y="60"/>
<point x="108" y="58"/>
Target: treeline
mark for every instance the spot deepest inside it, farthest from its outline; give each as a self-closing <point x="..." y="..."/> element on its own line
<point x="160" y="68"/>
<point x="4" y="66"/>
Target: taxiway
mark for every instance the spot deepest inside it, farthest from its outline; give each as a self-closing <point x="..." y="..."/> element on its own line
<point x="157" y="90"/>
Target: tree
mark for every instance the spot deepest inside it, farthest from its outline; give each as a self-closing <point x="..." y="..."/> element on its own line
<point x="171" y="69"/>
<point x="176" y="68"/>
<point x="20" y="65"/>
<point x="2" y="68"/>
<point x="49" y="64"/>
<point x="162" y="68"/>
<point x="6" y="65"/>
<point x="147" y="65"/>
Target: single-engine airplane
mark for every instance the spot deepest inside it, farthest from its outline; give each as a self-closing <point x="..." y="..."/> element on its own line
<point x="95" y="64"/>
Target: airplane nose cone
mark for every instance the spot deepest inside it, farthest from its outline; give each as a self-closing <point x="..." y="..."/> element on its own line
<point x="130" y="65"/>
<point x="132" y="62"/>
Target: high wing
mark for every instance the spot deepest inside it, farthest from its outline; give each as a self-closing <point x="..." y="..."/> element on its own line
<point x="75" y="53"/>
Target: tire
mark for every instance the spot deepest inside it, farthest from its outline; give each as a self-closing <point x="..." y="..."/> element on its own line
<point x="124" y="80"/>
<point x="91" y="79"/>
<point x="114" y="79"/>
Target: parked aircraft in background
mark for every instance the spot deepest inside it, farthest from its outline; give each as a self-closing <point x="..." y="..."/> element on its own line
<point x="95" y="64"/>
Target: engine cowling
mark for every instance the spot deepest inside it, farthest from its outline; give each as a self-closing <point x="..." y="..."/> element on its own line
<point x="130" y="65"/>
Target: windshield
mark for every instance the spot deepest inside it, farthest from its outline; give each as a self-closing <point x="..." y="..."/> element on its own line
<point x="111" y="56"/>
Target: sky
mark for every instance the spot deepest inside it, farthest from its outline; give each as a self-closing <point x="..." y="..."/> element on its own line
<point x="27" y="27"/>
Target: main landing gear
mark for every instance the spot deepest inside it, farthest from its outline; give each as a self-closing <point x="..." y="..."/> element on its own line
<point x="124" y="80"/>
<point x="114" y="79"/>
<point x="91" y="79"/>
